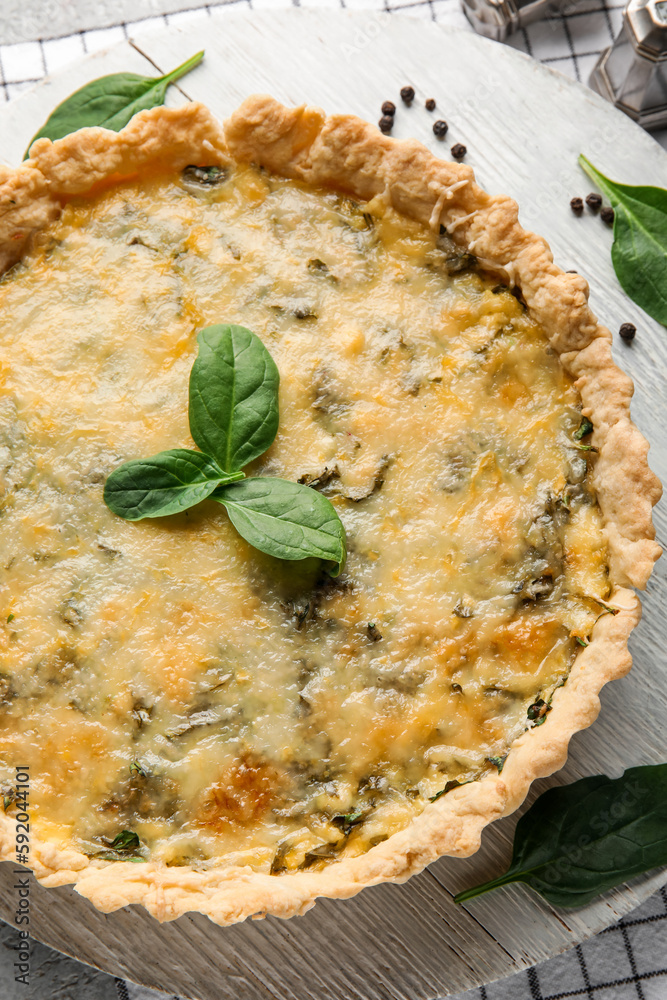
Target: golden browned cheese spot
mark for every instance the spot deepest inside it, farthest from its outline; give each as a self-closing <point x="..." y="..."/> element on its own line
<point x="516" y="636"/>
<point x="165" y="677"/>
<point x="242" y="794"/>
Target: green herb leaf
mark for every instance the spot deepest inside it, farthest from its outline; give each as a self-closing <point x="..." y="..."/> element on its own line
<point x="448" y="787"/>
<point x="374" y="632"/>
<point x="580" y="840"/>
<point x="584" y="429"/>
<point x="639" y="250"/>
<point x="285" y="520"/>
<point x="537" y="710"/>
<point x="346" y="821"/>
<point x="110" y="102"/>
<point x="124" y="841"/>
<point x="233" y="396"/>
<point x="167" y="483"/>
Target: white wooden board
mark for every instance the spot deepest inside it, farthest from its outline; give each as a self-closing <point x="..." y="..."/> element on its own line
<point x="524" y="126"/>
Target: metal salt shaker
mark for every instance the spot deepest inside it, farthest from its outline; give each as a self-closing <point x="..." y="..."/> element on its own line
<point x="632" y="73"/>
<point x="499" y="18"/>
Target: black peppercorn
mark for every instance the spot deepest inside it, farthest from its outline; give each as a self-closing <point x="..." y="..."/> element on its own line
<point x="440" y="128"/>
<point x="408" y="94"/>
<point x="628" y="331"/>
<point x="386" y="124"/>
<point x="458" y="151"/>
<point x="429" y="104"/>
<point x="577" y="205"/>
<point x="594" y="200"/>
<point x="389" y="108"/>
<point x="607" y="214"/>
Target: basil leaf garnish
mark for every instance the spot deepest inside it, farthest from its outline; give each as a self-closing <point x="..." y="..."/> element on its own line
<point x="233" y="396"/>
<point x="285" y="519"/>
<point x="580" y="840"/>
<point x="234" y="419"/>
<point x="110" y="101"/>
<point x="639" y="250"/>
<point x="167" y="483"/>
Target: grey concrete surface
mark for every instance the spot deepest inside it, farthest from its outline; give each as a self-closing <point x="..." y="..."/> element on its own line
<point x="52" y="976"/>
<point x="23" y="20"/>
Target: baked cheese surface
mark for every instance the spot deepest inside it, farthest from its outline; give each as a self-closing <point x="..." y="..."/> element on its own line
<point x="164" y="677"/>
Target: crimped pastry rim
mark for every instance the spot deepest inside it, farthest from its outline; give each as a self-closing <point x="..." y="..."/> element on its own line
<point x="344" y="152"/>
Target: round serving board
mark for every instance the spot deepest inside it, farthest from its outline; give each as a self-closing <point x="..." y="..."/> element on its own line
<point x="523" y="125"/>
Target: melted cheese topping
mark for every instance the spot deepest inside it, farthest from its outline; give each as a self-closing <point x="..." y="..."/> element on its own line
<point x="166" y="678"/>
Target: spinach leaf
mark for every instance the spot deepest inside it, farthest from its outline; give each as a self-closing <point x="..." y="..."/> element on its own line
<point x="110" y="101"/>
<point x="126" y="840"/>
<point x="167" y="483"/>
<point x="448" y="788"/>
<point x="584" y="429"/>
<point x="123" y="847"/>
<point x="233" y="396"/>
<point x="498" y="761"/>
<point x="639" y="250"/>
<point x="285" y="519"/>
<point x="577" y="841"/>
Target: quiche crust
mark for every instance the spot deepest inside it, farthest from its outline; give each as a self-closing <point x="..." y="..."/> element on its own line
<point x="347" y="154"/>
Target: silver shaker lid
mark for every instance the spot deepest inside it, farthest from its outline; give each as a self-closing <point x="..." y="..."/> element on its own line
<point x="499" y="18"/>
<point x="632" y="73"/>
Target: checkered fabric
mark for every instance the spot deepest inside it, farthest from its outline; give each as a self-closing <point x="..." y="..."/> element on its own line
<point x="571" y="43"/>
<point x="627" y="961"/>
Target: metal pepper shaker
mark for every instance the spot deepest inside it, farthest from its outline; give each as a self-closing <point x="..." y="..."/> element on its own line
<point x="632" y="73"/>
<point x="499" y="18"/>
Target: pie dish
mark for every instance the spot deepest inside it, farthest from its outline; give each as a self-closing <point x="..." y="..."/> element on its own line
<point x="210" y="729"/>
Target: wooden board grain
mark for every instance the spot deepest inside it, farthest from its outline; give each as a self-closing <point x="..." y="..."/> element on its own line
<point x="524" y="127"/>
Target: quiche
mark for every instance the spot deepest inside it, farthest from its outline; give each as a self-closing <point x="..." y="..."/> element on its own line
<point x="207" y="727"/>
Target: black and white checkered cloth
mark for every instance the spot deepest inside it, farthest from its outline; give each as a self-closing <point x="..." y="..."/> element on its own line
<point x="570" y="43"/>
<point x="627" y="961"/>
